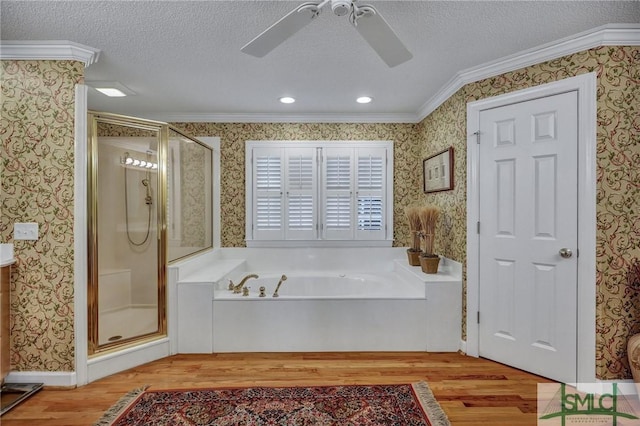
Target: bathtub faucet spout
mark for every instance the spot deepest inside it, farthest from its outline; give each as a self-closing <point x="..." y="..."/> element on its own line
<point x="283" y="278"/>
<point x="238" y="288"/>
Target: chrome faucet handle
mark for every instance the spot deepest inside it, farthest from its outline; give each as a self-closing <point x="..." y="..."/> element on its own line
<point x="231" y="286"/>
<point x="262" y="292"/>
<point x="245" y="291"/>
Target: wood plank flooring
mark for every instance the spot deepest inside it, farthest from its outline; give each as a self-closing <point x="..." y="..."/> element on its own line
<point x="471" y="391"/>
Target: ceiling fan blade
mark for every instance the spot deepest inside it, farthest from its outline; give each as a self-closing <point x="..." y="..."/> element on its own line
<point x="377" y="32"/>
<point x="277" y="33"/>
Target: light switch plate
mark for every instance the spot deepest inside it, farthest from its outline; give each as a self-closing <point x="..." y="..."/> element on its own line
<point x="25" y="231"/>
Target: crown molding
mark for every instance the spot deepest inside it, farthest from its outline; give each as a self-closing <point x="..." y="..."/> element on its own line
<point x="282" y="118"/>
<point x="55" y="50"/>
<point x="606" y="35"/>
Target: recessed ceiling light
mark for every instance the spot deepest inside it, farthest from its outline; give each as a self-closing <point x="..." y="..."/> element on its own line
<point x="287" y="100"/>
<point x="111" y="91"/>
<point x="364" y="99"/>
<point x="111" y="88"/>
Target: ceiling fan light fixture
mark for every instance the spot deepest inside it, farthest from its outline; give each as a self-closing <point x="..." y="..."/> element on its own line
<point x="340" y="7"/>
<point x="287" y="100"/>
<point x="365" y="18"/>
<point x="364" y="99"/>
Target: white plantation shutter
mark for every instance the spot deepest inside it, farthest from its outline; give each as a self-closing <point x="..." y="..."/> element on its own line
<point x="301" y="194"/>
<point x="268" y="194"/>
<point x="338" y="194"/>
<point x="370" y="193"/>
<point x="310" y="191"/>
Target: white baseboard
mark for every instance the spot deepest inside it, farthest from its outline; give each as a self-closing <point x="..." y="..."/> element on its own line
<point x="463" y="346"/>
<point x="601" y="387"/>
<point x="49" y="378"/>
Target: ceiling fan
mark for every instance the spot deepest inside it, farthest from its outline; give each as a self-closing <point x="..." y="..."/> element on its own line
<point x="365" y="18"/>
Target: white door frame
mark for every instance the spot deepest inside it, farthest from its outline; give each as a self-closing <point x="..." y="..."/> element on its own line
<point x="585" y="85"/>
<point x="80" y="237"/>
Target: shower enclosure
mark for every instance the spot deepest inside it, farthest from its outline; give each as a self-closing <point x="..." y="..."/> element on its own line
<point x="149" y="203"/>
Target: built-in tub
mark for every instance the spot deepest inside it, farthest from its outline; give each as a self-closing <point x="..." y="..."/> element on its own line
<point x="322" y="311"/>
<point x="375" y="301"/>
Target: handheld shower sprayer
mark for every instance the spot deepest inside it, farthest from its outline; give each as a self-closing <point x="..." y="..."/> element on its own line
<point x="283" y="278"/>
<point x="148" y="199"/>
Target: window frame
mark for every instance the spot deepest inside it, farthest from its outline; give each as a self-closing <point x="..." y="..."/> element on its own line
<point x="385" y="236"/>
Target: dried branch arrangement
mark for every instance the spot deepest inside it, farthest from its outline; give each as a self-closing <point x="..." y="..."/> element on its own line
<point x="415" y="225"/>
<point x="428" y="218"/>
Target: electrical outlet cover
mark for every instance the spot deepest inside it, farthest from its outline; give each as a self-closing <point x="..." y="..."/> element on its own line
<point x="25" y="231"/>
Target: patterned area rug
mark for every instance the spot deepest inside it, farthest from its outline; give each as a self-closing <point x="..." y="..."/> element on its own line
<point x="406" y="405"/>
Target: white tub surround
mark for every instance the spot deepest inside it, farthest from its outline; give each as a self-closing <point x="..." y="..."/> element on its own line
<point x="190" y="290"/>
<point x="333" y="300"/>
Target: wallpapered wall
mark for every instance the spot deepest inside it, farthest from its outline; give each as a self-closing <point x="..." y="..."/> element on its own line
<point x="407" y="163"/>
<point x="36" y="136"/>
<point x="618" y="182"/>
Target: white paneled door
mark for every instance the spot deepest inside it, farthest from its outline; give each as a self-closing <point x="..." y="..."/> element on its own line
<point x="528" y="235"/>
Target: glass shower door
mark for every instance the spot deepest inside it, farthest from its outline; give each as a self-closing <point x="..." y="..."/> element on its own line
<point x="127" y="272"/>
<point x="189" y="193"/>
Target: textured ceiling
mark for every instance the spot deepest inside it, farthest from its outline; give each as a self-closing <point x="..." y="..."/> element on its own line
<point x="183" y="57"/>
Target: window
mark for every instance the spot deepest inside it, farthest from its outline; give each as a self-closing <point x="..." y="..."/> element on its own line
<point x="319" y="193"/>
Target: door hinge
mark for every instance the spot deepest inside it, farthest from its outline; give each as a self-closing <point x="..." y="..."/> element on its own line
<point x="477" y="137"/>
<point x="478" y="317"/>
<point x="478" y="227"/>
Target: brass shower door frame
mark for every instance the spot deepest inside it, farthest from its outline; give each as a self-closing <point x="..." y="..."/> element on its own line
<point x="92" y="209"/>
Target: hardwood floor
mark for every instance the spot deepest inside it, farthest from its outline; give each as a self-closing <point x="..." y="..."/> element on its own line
<point x="471" y="391"/>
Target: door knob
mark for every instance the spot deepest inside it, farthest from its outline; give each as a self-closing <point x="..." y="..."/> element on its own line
<point x="565" y="253"/>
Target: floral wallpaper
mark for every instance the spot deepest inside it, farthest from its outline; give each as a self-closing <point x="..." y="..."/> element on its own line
<point x="37" y="177"/>
<point x="445" y="127"/>
<point x="618" y="182"/>
<point x="407" y="163"/>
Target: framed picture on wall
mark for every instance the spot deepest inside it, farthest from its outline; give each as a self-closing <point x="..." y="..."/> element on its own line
<point x="438" y="171"/>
